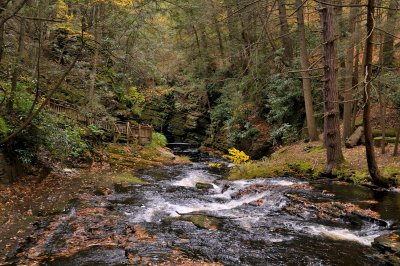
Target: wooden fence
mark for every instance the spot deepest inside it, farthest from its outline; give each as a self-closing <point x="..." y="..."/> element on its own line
<point x="121" y="131"/>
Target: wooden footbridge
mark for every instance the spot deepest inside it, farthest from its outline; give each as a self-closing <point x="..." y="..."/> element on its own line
<point x="121" y="131"/>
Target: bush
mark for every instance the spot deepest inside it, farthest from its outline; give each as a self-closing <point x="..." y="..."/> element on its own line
<point x="159" y="140"/>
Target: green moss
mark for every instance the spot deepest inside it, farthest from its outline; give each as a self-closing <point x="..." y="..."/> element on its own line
<point x="127" y="178"/>
<point x="387" y="139"/>
<point x="302" y="167"/>
<point x="355" y="176"/>
<point x="390" y="171"/>
<point x="359" y="122"/>
<point x="202" y="221"/>
<point x="257" y="171"/>
<point x="203" y="186"/>
<point x="390" y="132"/>
<point x="316" y="150"/>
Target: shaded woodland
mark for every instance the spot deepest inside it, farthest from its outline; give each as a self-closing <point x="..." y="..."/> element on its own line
<point x="234" y="73"/>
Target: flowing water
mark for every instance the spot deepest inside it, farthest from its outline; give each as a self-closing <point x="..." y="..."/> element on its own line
<point x="279" y="221"/>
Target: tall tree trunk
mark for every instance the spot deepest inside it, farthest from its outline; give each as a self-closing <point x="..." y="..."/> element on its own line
<point x="382" y="100"/>
<point x="348" y="86"/>
<point x="217" y="28"/>
<point x="388" y="44"/>
<point x="356" y="77"/>
<point x="382" y="113"/>
<point x="3" y="5"/>
<point x="285" y="33"/>
<point x="307" y="91"/>
<point x="17" y="67"/>
<point x="369" y="145"/>
<point x="219" y="35"/>
<point x="330" y="94"/>
<point x="196" y="35"/>
<point x="396" y="145"/>
<point x="95" y="57"/>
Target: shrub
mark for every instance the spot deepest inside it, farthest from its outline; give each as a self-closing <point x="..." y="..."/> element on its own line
<point x="159" y="140"/>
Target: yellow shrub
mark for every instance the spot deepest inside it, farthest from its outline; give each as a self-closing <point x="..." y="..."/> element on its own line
<point x="237" y="157"/>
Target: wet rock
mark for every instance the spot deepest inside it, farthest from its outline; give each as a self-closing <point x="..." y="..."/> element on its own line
<point x="204" y="186"/>
<point x="388" y="243"/>
<point x="122" y="188"/>
<point x="259" y="202"/>
<point x="93" y="256"/>
<point x="389" y="246"/>
<point x="203" y="221"/>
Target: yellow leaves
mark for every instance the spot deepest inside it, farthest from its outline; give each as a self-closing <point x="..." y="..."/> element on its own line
<point x="215" y="165"/>
<point x="237" y="157"/>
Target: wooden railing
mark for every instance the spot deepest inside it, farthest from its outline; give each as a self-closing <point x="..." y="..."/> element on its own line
<point x="124" y="131"/>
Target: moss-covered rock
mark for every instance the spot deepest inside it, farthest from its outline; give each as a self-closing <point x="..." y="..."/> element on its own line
<point x="204" y="186"/>
<point x="203" y="221"/>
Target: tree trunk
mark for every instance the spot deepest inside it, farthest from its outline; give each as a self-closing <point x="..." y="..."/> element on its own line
<point x="219" y="35"/>
<point x="388" y="44"/>
<point x="356" y="76"/>
<point x="17" y="67"/>
<point x="355" y="138"/>
<point x="197" y="39"/>
<point x="348" y="86"/>
<point x="285" y="33"/>
<point x="3" y="4"/>
<point x="369" y="147"/>
<point x="382" y="113"/>
<point x="95" y="57"/>
<point x="396" y="145"/>
<point x="330" y="94"/>
<point x="307" y="90"/>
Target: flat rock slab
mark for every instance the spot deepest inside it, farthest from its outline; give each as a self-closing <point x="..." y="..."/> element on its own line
<point x="98" y="256"/>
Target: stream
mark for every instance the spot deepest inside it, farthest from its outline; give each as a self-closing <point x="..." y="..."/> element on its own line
<point x="279" y="221"/>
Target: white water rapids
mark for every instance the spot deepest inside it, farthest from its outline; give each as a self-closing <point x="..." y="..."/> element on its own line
<point x="225" y="200"/>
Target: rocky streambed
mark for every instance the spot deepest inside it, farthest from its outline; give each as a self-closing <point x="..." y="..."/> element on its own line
<point x="169" y="219"/>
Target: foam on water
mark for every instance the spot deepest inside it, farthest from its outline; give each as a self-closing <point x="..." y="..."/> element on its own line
<point x="161" y="206"/>
<point x="283" y="183"/>
<point x="364" y="237"/>
<point x="193" y="177"/>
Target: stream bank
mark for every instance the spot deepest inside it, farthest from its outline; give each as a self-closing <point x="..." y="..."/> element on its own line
<point x="308" y="160"/>
<point x="45" y="192"/>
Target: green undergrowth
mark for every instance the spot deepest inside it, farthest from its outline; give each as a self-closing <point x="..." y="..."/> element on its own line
<point x="308" y="161"/>
<point x="301" y="168"/>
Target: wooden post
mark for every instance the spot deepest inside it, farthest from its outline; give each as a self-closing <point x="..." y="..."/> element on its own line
<point x="140" y="134"/>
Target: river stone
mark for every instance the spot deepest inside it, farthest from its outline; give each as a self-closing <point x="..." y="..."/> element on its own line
<point x="203" y="221"/>
<point x="390" y="243"/>
<point x="204" y="186"/>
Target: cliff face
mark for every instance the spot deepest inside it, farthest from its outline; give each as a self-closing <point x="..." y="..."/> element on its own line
<point x="181" y="115"/>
